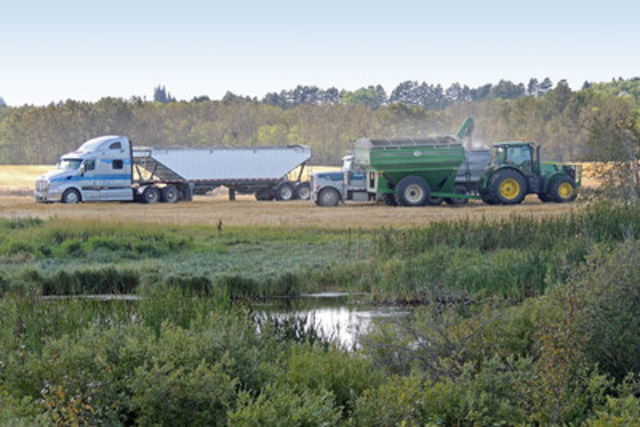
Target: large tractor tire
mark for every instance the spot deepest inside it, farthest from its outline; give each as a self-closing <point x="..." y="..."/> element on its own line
<point x="459" y="189"/>
<point x="563" y="190"/>
<point x="508" y="187"/>
<point x="389" y="200"/>
<point x="412" y="191"/>
<point x="328" y="197"/>
<point x="545" y="197"/>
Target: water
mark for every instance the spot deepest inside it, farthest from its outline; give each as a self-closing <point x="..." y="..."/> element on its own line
<point x="340" y="317"/>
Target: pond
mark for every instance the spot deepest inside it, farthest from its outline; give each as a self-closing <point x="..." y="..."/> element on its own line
<point x="337" y="316"/>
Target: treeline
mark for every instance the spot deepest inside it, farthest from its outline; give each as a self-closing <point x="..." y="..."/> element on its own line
<point x="326" y="120"/>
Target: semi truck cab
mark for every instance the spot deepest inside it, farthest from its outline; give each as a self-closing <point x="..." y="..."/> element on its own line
<point x="99" y="170"/>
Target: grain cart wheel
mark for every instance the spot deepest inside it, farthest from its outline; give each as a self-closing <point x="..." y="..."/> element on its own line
<point x="285" y="192"/>
<point x="71" y="196"/>
<point x="170" y="194"/>
<point x="150" y="195"/>
<point x="389" y="200"/>
<point x="507" y="187"/>
<point x="303" y="191"/>
<point x="435" y="201"/>
<point x="459" y="189"/>
<point x="412" y="191"/>
<point x="328" y="197"/>
<point x="563" y="190"/>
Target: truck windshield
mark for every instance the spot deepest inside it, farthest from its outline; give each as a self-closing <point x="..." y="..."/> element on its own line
<point x="69" y="164"/>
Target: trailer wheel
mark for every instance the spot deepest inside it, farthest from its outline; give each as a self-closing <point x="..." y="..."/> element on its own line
<point x="170" y="194"/>
<point x="71" y="196"/>
<point x="563" y="190"/>
<point x="303" y="191"/>
<point x="328" y="197"/>
<point x="150" y="195"/>
<point x="389" y="200"/>
<point x="285" y="192"/>
<point x="412" y="191"/>
<point x="508" y="187"/>
<point x="458" y="189"/>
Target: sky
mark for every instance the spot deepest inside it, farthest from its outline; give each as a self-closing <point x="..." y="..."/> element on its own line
<point x="87" y="50"/>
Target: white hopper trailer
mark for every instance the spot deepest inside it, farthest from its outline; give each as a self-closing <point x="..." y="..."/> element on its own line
<point x="109" y="168"/>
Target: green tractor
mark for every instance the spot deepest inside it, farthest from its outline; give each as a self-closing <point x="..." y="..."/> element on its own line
<point x="518" y="171"/>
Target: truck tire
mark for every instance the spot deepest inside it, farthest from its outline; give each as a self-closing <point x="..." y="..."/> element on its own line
<point x="389" y="199"/>
<point x="508" y="187"/>
<point x="264" y="195"/>
<point x="458" y="189"/>
<point x="563" y="190"/>
<point x="412" y="191"/>
<point x="328" y="197"/>
<point x="303" y="191"/>
<point x="71" y="196"/>
<point x="150" y="195"/>
<point x="285" y="192"/>
<point x="170" y="194"/>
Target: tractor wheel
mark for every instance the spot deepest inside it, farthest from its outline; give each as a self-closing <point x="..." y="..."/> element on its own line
<point x="563" y="190"/>
<point x="412" y="191"/>
<point x="544" y="197"/>
<point x="508" y="187"/>
<point x="328" y="197"/>
<point x="459" y="189"/>
<point x="389" y="200"/>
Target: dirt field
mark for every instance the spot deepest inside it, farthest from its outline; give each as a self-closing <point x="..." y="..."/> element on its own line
<point x="16" y="201"/>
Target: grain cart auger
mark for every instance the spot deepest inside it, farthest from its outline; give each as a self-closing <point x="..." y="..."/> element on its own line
<point x="518" y="171"/>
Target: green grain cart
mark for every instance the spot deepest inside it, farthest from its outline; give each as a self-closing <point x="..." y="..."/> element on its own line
<point x="410" y="172"/>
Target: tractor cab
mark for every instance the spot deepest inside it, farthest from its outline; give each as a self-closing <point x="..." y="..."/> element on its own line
<point x="517" y="154"/>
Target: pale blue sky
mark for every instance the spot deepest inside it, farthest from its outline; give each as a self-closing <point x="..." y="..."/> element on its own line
<point x="83" y="50"/>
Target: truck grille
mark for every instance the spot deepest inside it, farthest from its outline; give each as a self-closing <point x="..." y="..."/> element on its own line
<point x="42" y="185"/>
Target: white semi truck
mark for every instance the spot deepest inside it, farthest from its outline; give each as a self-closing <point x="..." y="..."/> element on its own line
<point x="109" y="168"/>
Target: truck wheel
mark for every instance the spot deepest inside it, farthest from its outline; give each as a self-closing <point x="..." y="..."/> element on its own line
<point x="71" y="196"/>
<point x="285" y="192"/>
<point x="412" y="191"/>
<point x="170" y="194"/>
<point x="507" y="187"/>
<point x="264" y="195"/>
<point x="563" y="190"/>
<point x="303" y="191"/>
<point x="458" y="189"/>
<point x="328" y="197"/>
<point x="389" y="200"/>
<point x="150" y="195"/>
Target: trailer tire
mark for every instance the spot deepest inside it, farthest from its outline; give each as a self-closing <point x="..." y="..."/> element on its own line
<point x="389" y="199"/>
<point x="264" y="195"/>
<point x="285" y="192"/>
<point x="328" y="197"/>
<point x="71" y="196"/>
<point x="303" y="191"/>
<point x="150" y="195"/>
<point x="563" y="190"/>
<point x="508" y="187"/>
<point x="458" y="189"/>
<point x="412" y="191"/>
<point x="170" y="194"/>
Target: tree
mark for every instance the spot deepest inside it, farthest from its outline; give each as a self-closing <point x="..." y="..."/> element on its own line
<point x="545" y="86"/>
<point x="161" y="95"/>
<point x="533" y="87"/>
<point x="506" y="89"/>
<point x="369" y="96"/>
<point x="2" y="103"/>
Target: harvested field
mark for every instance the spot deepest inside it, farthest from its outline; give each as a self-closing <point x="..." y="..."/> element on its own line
<point x="16" y="201"/>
